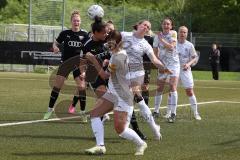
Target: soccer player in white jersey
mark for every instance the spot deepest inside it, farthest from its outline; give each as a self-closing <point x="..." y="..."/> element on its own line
<point x="164" y="46"/>
<point x="118" y="97"/>
<point x="136" y="46"/>
<point x="187" y="56"/>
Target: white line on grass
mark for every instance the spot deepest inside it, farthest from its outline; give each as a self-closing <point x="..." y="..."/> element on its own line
<point x="24" y="79"/>
<point x="217" y="88"/>
<point x="73" y="117"/>
<point x="37" y="121"/>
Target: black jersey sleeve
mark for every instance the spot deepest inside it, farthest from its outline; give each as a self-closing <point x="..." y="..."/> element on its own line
<point x="87" y="46"/>
<point x="104" y="55"/>
<point x="61" y="37"/>
<point x="86" y="37"/>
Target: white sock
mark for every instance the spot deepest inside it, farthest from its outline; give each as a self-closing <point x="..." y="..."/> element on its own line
<point x="146" y="113"/>
<point x="169" y="105"/>
<point x="157" y="101"/>
<point x="193" y="102"/>
<point x="50" y="109"/>
<point x="98" y="130"/>
<point x="131" y="135"/>
<point x="174" y="99"/>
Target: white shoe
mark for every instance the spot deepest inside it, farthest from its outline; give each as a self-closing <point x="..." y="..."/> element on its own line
<point x="106" y="117"/>
<point x="167" y="115"/>
<point x="97" y="150"/>
<point x="83" y="117"/>
<point x="157" y="133"/>
<point x="140" y="149"/>
<point x="197" y="117"/>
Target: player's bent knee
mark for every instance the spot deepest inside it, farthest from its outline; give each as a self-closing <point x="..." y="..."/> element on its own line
<point x="145" y="87"/>
<point x="81" y="88"/>
<point x="119" y="128"/>
<point x="189" y="92"/>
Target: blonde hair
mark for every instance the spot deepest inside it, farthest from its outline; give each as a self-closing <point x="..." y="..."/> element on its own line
<point x="183" y="27"/>
<point x="140" y="22"/>
<point x="150" y="33"/>
<point x="75" y="12"/>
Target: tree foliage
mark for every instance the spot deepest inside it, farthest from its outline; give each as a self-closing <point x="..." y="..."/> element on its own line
<point x="14" y="12"/>
<point x="214" y="15"/>
<point x="3" y="3"/>
<point x="199" y="15"/>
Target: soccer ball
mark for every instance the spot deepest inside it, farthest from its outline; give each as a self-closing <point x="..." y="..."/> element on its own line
<point x="95" y="10"/>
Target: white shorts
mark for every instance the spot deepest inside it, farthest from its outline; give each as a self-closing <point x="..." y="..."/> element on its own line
<point x="119" y="103"/>
<point x="175" y="73"/>
<point x="186" y="78"/>
<point x="136" y="77"/>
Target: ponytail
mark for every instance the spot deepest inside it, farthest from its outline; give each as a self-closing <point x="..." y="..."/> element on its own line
<point x="98" y="25"/>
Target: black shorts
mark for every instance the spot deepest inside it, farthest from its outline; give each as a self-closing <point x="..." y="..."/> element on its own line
<point x="99" y="81"/>
<point x="70" y="65"/>
<point x="75" y="71"/>
<point x="147" y="69"/>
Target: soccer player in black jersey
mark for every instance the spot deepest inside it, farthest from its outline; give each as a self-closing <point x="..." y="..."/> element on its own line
<point x="82" y="98"/>
<point x="94" y="46"/>
<point x="73" y="40"/>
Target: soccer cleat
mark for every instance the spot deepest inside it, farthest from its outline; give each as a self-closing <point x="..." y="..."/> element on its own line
<point x="172" y="118"/>
<point x="140" y="149"/>
<point x="197" y="117"/>
<point x="157" y="134"/>
<point x="97" y="150"/>
<point x="83" y="117"/>
<point x="47" y="115"/>
<point x="106" y="117"/>
<point x="155" y="115"/>
<point x="71" y="109"/>
<point x="167" y="115"/>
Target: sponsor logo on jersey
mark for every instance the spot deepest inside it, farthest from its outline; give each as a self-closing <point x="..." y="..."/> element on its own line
<point x="81" y="37"/>
<point x="74" y="44"/>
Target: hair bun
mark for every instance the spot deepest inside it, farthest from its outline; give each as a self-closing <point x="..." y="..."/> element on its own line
<point x="98" y="19"/>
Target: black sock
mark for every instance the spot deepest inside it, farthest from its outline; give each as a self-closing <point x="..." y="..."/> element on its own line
<point x="53" y="97"/>
<point x="145" y="95"/>
<point x="134" y="123"/>
<point x="75" y="100"/>
<point x="82" y="99"/>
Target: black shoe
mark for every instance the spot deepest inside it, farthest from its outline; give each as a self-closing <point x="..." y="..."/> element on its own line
<point x="141" y="135"/>
<point x="172" y="118"/>
<point x="155" y="115"/>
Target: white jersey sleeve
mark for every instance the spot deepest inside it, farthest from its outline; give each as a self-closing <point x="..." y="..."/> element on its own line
<point x="148" y="49"/>
<point x="155" y="41"/>
<point x="193" y="52"/>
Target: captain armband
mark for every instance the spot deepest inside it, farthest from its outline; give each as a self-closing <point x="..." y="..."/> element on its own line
<point x="111" y="68"/>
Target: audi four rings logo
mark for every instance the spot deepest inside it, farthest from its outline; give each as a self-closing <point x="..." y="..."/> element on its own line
<point x="74" y="44"/>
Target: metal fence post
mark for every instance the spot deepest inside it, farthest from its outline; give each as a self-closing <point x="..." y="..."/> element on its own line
<point x="63" y="14"/>
<point x="30" y="20"/>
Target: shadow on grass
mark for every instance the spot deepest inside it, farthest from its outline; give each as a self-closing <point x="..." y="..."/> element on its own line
<point x="57" y="137"/>
<point x="231" y="142"/>
<point x="81" y="153"/>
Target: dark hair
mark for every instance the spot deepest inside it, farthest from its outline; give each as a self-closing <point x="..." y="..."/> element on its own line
<point x="167" y="18"/>
<point x="110" y="22"/>
<point x="98" y="25"/>
<point x="114" y="35"/>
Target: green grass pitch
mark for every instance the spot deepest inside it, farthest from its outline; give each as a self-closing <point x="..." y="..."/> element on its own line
<point x="24" y="97"/>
